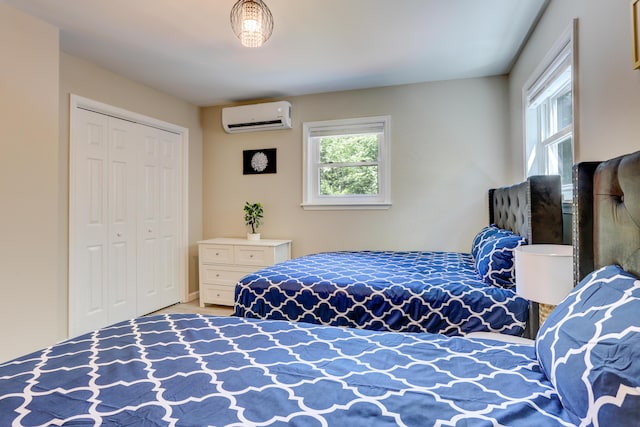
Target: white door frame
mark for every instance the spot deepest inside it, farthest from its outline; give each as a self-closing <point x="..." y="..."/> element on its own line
<point x="77" y="102"/>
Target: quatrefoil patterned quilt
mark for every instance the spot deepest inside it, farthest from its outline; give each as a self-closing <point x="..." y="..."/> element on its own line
<point x="195" y="370"/>
<point x="439" y="292"/>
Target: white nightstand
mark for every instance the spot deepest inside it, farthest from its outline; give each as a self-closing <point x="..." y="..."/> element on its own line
<point x="224" y="261"/>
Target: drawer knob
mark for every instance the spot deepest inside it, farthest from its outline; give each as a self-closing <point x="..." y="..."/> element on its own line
<point x="217" y="253"/>
<point x="217" y="274"/>
<point x="251" y="256"/>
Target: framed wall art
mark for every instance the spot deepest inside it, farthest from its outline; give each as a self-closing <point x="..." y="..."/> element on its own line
<point x="635" y="20"/>
<point x="259" y="161"/>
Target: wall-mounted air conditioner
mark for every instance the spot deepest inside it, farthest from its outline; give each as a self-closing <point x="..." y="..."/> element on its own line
<point x="257" y="117"/>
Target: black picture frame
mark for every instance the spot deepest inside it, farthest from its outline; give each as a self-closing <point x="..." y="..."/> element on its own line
<point x="257" y="162"/>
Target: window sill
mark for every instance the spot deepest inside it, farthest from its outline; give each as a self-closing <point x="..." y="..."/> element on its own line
<point x="339" y="207"/>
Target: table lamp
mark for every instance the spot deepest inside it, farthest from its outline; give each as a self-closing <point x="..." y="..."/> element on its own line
<point x="544" y="274"/>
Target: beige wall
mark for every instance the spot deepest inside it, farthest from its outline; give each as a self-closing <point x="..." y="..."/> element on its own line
<point x="609" y="87"/>
<point x="449" y="145"/>
<point x="33" y="297"/>
<point x="87" y="79"/>
<point x="35" y="82"/>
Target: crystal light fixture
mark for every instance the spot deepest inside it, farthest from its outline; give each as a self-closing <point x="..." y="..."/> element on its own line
<point x="252" y="22"/>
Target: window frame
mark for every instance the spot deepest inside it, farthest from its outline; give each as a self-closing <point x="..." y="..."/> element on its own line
<point x="311" y="197"/>
<point x="544" y="85"/>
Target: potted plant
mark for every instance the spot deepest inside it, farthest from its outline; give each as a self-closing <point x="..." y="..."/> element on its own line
<point x="253" y="213"/>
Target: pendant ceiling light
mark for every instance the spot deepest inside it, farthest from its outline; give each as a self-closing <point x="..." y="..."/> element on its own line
<point x="252" y="22"/>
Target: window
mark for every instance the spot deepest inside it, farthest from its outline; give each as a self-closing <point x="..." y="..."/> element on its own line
<point x="549" y="113"/>
<point x="346" y="164"/>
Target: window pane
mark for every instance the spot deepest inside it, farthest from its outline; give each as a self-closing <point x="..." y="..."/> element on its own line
<point x="543" y="120"/>
<point x="563" y="110"/>
<point x="349" y="149"/>
<point x="351" y="180"/>
<point x="566" y="154"/>
<point x="560" y="160"/>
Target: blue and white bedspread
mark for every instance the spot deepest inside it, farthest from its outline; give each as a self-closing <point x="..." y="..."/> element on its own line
<point x="439" y="292"/>
<point x="194" y="370"/>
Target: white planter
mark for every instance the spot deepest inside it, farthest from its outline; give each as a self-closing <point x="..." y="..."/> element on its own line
<point x="253" y="236"/>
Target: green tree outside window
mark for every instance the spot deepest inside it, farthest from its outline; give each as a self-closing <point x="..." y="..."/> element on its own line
<point x="349" y="165"/>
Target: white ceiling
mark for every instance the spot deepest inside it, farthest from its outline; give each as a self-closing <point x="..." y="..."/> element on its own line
<point x="186" y="47"/>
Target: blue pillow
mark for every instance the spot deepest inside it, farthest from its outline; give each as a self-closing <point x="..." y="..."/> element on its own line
<point x="495" y="260"/>
<point x="589" y="348"/>
<point x="483" y="235"/>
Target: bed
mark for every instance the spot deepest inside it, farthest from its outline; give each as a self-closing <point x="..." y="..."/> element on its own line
<point x="196" y="370"/>
<point x="441" y="292"/>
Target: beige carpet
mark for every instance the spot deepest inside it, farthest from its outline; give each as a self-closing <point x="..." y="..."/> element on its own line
<point x="194" y="307"/>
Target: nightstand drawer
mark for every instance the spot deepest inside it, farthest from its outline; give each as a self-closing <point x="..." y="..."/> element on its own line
<point x="217" y="294"/>
<point x="216" y="254"/>
<point x="213" y="274"/>
<point x="254" y="255"/>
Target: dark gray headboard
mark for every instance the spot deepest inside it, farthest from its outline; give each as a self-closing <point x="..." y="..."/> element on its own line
<point x="532" y="209"/>
<point x="606" y="220"/>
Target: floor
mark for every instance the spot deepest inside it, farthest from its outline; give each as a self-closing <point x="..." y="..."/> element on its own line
<point x="194" y="307"/>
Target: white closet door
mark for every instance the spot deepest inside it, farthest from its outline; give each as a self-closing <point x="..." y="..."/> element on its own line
<point x="102" y="222"/>
<point x="122" y="220"/>
<point x="158" y="249"/>
<point x="127" y="230"/>
<point x="170" y="183"/>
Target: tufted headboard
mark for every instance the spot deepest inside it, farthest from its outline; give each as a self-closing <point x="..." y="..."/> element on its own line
<point x="532" y="209"/>
<point x="606" y="220"/>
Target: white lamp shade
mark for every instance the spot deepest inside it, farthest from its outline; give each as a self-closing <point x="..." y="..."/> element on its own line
<point x="544" y="273"/>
